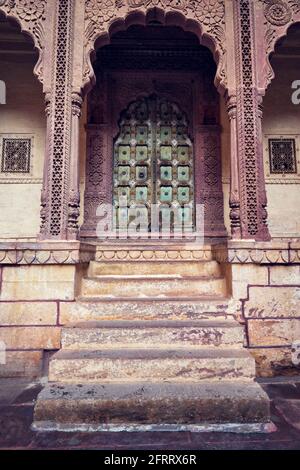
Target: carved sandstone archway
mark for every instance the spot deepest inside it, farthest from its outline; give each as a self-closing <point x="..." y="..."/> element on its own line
<point x="31" y="19"/>
<point x="204" y="18"/>
<point x="279" y="16"/>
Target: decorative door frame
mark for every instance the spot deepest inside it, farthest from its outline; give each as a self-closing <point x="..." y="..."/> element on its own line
<point x="188" y="91"/>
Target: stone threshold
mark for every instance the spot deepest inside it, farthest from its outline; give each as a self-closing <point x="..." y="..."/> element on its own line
<point x="238" y="428"/>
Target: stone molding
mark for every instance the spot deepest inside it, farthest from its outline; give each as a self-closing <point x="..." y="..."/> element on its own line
<point x="21" y="253"/>
<point x="245" y="252"/>
<point x="70" y="253"/>
<point x="31" y="16"/>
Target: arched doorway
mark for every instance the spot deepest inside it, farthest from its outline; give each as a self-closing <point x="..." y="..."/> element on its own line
<point x="158" y="80"/>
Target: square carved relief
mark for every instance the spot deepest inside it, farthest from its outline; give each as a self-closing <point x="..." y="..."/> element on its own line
<point x="282" y="158"/>
<point x="16" y="153"/>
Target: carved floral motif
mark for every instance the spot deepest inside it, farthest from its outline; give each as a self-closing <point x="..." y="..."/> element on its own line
<point x="278" y="12"/>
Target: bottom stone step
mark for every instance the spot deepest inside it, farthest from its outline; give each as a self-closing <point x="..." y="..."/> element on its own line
<point x="103" y="406"/>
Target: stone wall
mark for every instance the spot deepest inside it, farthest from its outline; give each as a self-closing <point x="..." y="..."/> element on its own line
<point x="34" y="279"/>
<point x="266" y="279"/>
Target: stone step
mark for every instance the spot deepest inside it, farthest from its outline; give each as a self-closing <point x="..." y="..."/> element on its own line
<point x="117" y="365"/>
<point x="147" y="334"/>
<point x="181" y="268"/>
<point x="160" y="287"/>
<point x="93" y="309"/>
<point x="109" y="406"/>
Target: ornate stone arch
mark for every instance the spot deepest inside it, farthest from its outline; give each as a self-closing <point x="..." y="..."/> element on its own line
<point x="31" y="17"/>
<point x="205" y="18"/>
<point x="279" y="16"/>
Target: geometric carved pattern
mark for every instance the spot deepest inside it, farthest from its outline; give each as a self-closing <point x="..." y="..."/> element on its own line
<point x="282" y="155"/>
<point x="16" y="155"/>
<point x="250" y="170"/>
<point x="61" y="110"/>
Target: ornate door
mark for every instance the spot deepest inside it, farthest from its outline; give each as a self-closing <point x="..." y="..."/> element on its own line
<point x="153" y="168"/>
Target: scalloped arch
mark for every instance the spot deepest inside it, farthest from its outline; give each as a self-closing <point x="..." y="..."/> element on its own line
<point x="97" y="37"/>
<point x="34" y="36"/>
<point x="270" y="75"/>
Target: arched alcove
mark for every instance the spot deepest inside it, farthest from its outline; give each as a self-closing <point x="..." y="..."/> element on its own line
<point x="22" y="134"/>
<point x="281" y="131"/>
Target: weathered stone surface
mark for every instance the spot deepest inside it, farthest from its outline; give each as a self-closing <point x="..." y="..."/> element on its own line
<point x="119" y="286"/>
<point x="183" y="268"/>
<point x="150" y="365"/>
<point x="243" y="275"/>
<point x="147" y="334"/>
<point x="273" y="361"/>
<point x="285" y="275"/>
<point x="152" y="403"/>
<point x="273" y="302"/>
<point x="38" y="283"/>
<point x="22" y="364"/>
<point x="40" y="337"/>
<point x="290" y="410"/>
<point x="28" y="313"/>
<point x="146" y="309"/>
<point x="280" y="332"/>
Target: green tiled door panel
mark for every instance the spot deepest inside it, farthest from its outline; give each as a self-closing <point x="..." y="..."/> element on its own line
<point x="124" y="153"/>
<point x="141" y="152"/>
<point x="166" y="193"/>
<point x="154" y="161"/>
<point x="166" y="152"/>
<point x="183" y="194"/>
<point x="124" y="174"/>
<point x="141" y="134"/>
<point x="166" y="173"/>
<point x="141" y="193"/>
<point x="141" y="173"/>
<point x="183" y="173"/>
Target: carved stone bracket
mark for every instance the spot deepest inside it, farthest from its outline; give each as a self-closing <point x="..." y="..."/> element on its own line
<point x="31" y="16"/>
<point x="208" y="22"/>
<point x="279" y="15"/>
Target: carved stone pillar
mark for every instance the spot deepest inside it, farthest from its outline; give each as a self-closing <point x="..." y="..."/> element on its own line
<point x="60" y="193"/>
<point x="252" y="194"/>
<point x="234" y="197"/>
<point x="208" y="188"/>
